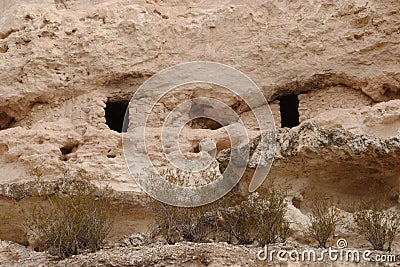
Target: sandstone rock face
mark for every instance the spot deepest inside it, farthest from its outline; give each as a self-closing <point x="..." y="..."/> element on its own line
<point x="334" y="162"/>
<point x="64" y="63"/>
<point x="61" y="61"/>
<point x="380" y="120"/>
<point x="333" y="98"/>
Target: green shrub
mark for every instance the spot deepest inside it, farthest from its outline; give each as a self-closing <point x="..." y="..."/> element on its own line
<point x="76" y="217"/>
<point x="324" y="219"/>
<point x="376" y="223"/>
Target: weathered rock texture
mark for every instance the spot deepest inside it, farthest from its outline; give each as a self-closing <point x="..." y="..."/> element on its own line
<point x="62" y="60"/>
<point x="333" y="162"/>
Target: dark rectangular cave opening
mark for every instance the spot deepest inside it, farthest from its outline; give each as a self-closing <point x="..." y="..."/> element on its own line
<point x="289" y="108"/>
<point x="115" y="112"/>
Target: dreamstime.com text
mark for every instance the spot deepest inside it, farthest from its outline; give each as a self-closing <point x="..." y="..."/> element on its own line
<point x="341" y="253"/>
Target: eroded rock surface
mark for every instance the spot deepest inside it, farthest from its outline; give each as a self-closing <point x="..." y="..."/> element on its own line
<point x="64" y="63"/>
<point x="341" y="164"/>
<point x="61" y="61"/>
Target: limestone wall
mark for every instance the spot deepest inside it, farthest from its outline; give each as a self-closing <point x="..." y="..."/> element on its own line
<point x="337" y="97"/>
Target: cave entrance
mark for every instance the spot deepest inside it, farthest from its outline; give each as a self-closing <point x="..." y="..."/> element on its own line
<point x="289" y="108"/>
<point x="115" y="114"/>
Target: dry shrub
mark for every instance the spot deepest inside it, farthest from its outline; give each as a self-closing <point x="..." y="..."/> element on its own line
<point x="187" y="178"/>
<point x="179" y="223"/>
<point x="4" y="219"/>
<point x="196" y="224"/>
<point x="76" y="217"/>
<point x="378" y="224"/>
<point x="324" y="219"/>
<point x="260" y="218"/>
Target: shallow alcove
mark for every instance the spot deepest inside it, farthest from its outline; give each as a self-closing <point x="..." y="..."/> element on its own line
<point x="289" y="108"/>
<point x="65" y="150"/>
<point x="6" y="121"/>
<point x="115" y="114"/>
<point x="68" y="149"/>
<point x="204" y="123"/>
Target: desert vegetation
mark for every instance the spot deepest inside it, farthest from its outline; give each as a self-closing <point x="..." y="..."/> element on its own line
<point x="78" y="217"/>
<point x="261" y="219"/>
<point x="75" y="218"/>
<point x="258" y="218"/>
<point x="324" y="219"/>
<point x="376" y="222"/>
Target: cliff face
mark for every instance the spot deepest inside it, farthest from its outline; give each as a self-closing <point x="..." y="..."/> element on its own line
<point x="333" y="162"/>
<point x="61" y="61"/>
<point x="68" y="68"/>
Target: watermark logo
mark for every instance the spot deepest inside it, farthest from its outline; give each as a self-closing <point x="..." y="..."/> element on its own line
<point x="149" y="94"/>
<point x="340" y="253"/>
<point x="341" y="243"/>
